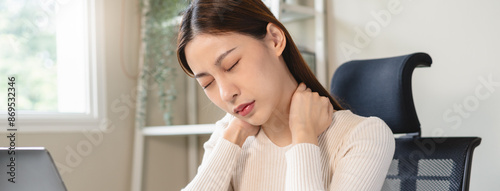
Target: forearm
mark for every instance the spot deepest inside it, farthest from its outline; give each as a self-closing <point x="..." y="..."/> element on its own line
<point x="216" y="172"/>
<point x="304" y="170"/>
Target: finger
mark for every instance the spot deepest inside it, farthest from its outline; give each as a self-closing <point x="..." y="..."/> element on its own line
<point x="301" y="87"/>
<point x="325" y="102"/>
<point x="330" y="109"/>
<point x="304" y="86"/>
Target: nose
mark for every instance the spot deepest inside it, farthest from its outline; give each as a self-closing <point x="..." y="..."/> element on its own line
<point x="228" y="90"/>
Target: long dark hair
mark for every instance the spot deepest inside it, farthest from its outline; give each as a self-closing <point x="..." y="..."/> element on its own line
<point x="248" y="17"/>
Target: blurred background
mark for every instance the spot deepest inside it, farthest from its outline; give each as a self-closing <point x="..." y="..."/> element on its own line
<point x="89" y="72"/>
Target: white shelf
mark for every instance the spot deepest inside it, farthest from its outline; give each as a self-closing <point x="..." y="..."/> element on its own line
<point x="199" y="129"/>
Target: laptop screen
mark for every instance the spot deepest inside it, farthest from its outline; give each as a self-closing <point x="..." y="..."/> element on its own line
<point x="28" y="169"/>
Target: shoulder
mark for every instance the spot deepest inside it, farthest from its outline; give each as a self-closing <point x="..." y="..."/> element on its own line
<point x="359" y="151"/>
<point x="373" y="130"/>
<point x="348" y="128"/>
<point x="346" y="122"/>
<point x="343" y="122"/>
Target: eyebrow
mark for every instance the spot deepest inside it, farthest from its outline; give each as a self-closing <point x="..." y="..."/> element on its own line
<point x="217" y="62"/>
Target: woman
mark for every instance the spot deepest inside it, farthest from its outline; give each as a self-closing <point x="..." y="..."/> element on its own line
<point x="282" y="131"/>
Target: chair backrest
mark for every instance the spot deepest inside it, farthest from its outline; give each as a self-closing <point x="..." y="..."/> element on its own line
<point x="431" y="164"/>
<point x="382" y="88"/>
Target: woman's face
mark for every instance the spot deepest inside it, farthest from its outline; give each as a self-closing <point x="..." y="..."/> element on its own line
<point x="243" y="76"/>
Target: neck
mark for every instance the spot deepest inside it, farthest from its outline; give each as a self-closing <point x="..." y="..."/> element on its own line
<point x="277" y="126"/>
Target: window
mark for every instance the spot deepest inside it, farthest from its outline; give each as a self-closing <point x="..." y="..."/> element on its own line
<point x="50" y="47"/>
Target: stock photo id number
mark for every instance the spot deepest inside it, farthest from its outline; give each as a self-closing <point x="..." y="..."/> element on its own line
<point x="11" y="123"/>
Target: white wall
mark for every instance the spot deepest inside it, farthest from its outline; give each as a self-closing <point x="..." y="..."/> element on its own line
<point x="462" y="39"/>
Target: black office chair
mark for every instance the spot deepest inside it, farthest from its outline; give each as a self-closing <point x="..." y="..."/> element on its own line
<point x="382" y="88"/>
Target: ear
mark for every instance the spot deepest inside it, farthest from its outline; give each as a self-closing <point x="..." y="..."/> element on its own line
<point x="275" y="39"/>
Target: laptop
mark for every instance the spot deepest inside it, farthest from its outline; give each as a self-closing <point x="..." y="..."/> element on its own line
<point x="31" y="169"/>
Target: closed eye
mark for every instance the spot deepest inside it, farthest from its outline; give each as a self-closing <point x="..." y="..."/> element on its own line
<point x="229" y="69"/>
<point x="206" y="86"/>
<point x="233" y="66"/>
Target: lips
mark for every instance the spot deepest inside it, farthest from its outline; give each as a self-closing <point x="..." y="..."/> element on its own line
<point x="244" y="109"/>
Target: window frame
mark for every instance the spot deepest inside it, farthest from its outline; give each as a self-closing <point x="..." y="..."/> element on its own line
<point x="95" y="118"/>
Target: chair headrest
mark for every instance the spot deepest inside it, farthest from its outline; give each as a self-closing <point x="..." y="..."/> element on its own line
<point x="382" y="88"/>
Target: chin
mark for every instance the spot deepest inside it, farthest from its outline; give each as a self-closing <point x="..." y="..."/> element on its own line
<point x="248" y="120"/>
<point x="257" y="119"/>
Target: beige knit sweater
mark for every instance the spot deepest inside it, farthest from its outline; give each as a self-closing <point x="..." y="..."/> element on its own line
<point x="354" y="153"/>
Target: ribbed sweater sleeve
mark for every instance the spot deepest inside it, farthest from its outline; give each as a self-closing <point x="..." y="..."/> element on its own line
<point x="218" y="163"/>
<point x="303" y="168"/>
<point x="362" y="166"/>
<point x="366" y="157"/>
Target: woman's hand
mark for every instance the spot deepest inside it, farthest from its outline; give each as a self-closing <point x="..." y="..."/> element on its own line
<point x="238" y="131"/>
<point x="310" y="115"/>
